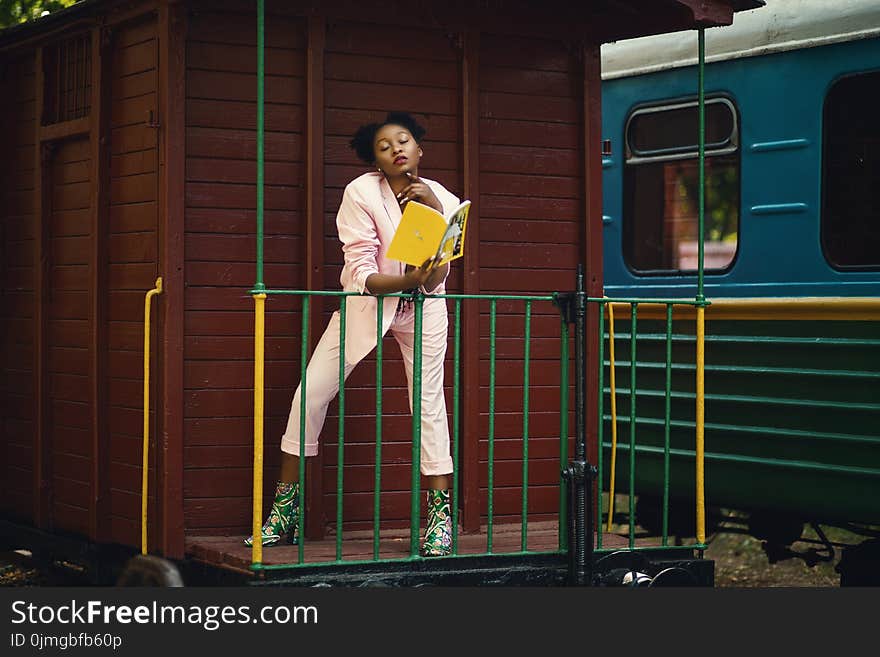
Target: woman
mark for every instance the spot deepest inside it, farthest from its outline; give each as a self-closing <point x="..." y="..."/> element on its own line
<point x="368" y="216"/>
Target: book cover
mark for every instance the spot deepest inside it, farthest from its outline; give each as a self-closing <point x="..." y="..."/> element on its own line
<point x="424" y="232"/>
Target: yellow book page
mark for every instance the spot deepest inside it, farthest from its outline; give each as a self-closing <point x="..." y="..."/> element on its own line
<point x="418" y="234"/>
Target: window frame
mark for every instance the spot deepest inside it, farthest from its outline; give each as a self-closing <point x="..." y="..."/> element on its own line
<point x="730" y="146"/>
<point x="633" y="156"/>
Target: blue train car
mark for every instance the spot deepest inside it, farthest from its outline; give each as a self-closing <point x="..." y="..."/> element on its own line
<point x="792" y="261"/>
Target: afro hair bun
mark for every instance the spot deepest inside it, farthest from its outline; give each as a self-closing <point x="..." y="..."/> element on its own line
<point x="362" y="141"/>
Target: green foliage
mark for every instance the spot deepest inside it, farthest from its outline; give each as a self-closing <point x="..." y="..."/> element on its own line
<point x="13" y="12"/>
<point x="722" y="197"/>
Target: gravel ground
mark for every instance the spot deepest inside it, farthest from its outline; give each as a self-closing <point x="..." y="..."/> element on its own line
<point x="740" y="562"/>
<point x="19" y="570"/>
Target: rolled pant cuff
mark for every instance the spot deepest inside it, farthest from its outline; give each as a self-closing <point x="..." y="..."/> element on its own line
<point x="292" y="447"/>
<point x="437" y="468"/>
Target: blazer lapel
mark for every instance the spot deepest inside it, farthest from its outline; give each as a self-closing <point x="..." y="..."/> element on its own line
<point x="392" y="207"/>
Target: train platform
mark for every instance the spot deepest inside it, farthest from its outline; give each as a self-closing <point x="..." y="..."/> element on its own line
<point x="226" y="559"/>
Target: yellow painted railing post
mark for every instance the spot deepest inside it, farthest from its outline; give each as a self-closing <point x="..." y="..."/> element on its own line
<point x="259" y="393"/>
<point x="612" y="382"/>
<point x="146" y="446"/>
<point x="701" y="411"/>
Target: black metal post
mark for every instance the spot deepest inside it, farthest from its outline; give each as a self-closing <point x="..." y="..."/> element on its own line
<point x="579" y="473"/>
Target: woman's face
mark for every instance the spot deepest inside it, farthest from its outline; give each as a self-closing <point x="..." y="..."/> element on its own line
<point x="397" y="153"/>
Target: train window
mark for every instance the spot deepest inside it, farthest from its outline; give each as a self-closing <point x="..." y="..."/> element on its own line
<point x="661" y="187"/>
<point x="662" y="131"/>
<point x="851" y="169"/>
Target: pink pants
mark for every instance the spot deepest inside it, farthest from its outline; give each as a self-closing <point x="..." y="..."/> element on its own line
<point x="322" y="385"/>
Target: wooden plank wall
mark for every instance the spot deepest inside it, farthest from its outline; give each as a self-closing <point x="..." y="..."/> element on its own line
<point x="69" y="326"/>
<point x="17" y="302"/>
<point x="220" y="255"/>
<point x="531" y="229"/>
<point x="132" y="270"/>
<point x="531" y="203"/>
<point x="88" y="289"/>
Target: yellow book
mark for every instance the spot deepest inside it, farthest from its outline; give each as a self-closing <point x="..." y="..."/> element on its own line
<point x="423" y="232"/>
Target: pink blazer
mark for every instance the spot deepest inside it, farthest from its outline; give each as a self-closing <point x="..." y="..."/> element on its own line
<point x="367" y="219"/>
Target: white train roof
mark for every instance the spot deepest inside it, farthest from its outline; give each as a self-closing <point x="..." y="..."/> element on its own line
<point x="780" y="25"/>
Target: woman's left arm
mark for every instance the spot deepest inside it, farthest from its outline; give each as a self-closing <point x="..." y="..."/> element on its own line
<point x="437" y="276"/>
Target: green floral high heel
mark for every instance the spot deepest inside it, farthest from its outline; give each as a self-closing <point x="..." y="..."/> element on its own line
<point x="438" y="531"/>
<point x="282" y="518"/>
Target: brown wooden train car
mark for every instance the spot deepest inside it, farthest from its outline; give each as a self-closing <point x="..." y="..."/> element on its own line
<point x="129" y="147"/>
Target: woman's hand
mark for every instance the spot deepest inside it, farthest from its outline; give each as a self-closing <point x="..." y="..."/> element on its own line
<point x="420" y="275"/>
<point x="419" y="191"/>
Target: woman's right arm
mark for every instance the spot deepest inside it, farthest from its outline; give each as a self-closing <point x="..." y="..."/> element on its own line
<point x="360" y="248"/>
<point x="389" y="283"/>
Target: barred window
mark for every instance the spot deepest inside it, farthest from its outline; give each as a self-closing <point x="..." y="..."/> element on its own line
<point x="67" y="67"/>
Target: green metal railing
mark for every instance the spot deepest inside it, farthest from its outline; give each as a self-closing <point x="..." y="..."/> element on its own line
<point x="415" y="508"/>
<point x="528" y="302"/>
<point x="667" y="393"/>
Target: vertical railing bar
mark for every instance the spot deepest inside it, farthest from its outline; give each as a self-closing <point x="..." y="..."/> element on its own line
<point x="632" y="425"/>
<point x="259" y="301"/>
<point x="303" y="362"/>
<point x="700" y="422"/>
<point x="701" y="205"/>
<point x="600" y="430"/>
<point x="377" y="474"/>
<point x="525" y="464"/>
<point x="456" y="421"/>
<point x="563" y="433"/>
<point x="699" y="447"/>
<point x="415" y="513"/>
<point x="261" y="135"/>
<point x="580" y="481"/>
<point x="259" y="416"/>
<point x="491" y="475"/>
<point x="667" y="424"/>
<point x="340" y="448"/>
<point x="612" y="385"/>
